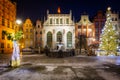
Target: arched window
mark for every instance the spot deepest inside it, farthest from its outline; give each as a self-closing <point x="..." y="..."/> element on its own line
<point x="69" y="39"/>
<point x="59" y="37"/>
<point x="49" y="39"/>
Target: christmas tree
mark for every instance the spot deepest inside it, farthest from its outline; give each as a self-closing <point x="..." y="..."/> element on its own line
<point x="108" y="40"/>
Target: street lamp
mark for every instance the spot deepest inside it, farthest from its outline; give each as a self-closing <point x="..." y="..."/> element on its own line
<point x="18" y="21"/>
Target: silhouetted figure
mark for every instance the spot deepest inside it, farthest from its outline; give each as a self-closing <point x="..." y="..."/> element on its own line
<point x="73" y="52"/>
<point x="46" y="50"/>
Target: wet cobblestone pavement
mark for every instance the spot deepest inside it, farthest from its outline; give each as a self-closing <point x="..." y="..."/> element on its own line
<point x="40" y="67"/>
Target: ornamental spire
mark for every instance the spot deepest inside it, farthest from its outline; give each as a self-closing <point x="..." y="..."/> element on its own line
<point x="108" y="10"/>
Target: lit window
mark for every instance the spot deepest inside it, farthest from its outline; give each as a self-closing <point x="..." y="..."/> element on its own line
<point x="69" y="39"/>
<point x="3" y="35"/>
<point x="2" y="45"/>
<point x="59" y="37"/>
<point x="49" y="39"/>
<point x="3" y="21"/>
<point x="31" y="36"/>
<point x="26" y="30"/>
<point x="30" y="30"/>
<point x="8" y="23"/>
<point x="8" y="45"/>
<point x="26" y="36"/>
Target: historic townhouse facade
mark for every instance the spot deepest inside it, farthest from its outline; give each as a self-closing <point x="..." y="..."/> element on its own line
<point x="115" y="22"/>
<point x="87" y="28"/>
<point x="7" y="23"/>
<point x="38" y="34"/>
<point x="59" y="28"/>
<point x="28" y="33"/>
<point x="99" y="21"/>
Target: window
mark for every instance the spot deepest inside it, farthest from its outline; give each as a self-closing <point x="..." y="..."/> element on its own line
<point x="67" y="21"/>
<point x="116" y="27"/>
<point x="40" y="38"/>
<point x="69" y="39"/>
<point x="79" y="27"/>
<point x="57" y="21"/>
<point x="49" y="39"/>
<point x="84" y="20"/>
<point x="26" y="36"/>
<point x="8" y="45"/>
<point x="31" y="36"/>
<point x="112" y="19"/>
<point x="50" y="20"/>
<point x="26" y="30"/>
<point x="40" y="32"/>
<point x="8" y="23"/>
<point x="2" y="45"/>
<point x="115" y="19"/>
<point x="3" y="21"/>
<point x="38" y="26"/>
<point x="30" y="30"/>
<point x="97" y="24"/>
<point x="26" y="25"/>
<point x="59" y="37"/>
<point x="12" y="25"/>
<point x="30" y="25"/>
<point x="36" y="33"/>
<point x="61" y="21"/>
<point x="3" y="35"/>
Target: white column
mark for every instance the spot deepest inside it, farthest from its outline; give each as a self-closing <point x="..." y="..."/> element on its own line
<point x="53" y="37"/>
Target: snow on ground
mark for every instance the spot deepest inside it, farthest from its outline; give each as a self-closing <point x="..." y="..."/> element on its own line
<point x="37" y="67"/>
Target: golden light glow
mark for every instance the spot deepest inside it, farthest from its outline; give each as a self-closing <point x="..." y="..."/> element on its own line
<point x="109" y="8"/>
<point x="59" y="11"/>
<point x="18" y="21"/>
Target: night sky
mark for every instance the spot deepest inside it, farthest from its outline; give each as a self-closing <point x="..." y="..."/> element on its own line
<point x="36" y="9"/>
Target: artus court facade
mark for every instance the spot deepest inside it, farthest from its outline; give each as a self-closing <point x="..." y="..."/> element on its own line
<point x="59" y="28"/>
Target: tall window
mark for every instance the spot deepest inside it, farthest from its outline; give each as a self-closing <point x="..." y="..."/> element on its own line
<point x="57" y="21"/>
<point x="2" y="45"/>
<point x="61" y="21"/>
<point x="116" y="27"/>
<point x="30" y="30"/>
<point x="31" y="36"/>
<point x="49" y="39"/>
<point x="59" y="37"/>
<point x="3" y="35"/>
<point x="69" y="39"/>
<point x="67" y="21"/>
<point x="8" y="24"/>
<point x="26" y="36"/>
<point x="3" y="21"/>
<point x="8" y="45"/>
<point x="26" y="30"/>
<point x="38" y="26"/>
<point x="50" y="20"/>
<point x="40" y="32"/>
<point x="36" y="33"/>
